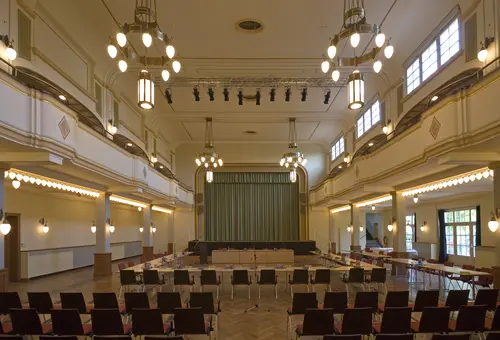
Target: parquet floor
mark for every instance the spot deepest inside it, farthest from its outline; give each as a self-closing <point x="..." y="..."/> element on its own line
<point x="267" y="321"/>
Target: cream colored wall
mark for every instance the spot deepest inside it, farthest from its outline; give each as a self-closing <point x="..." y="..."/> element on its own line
<point x="341" y="220"/>
<point x="250" y="153"/>
<point x="319" y="227"/>
<point x="183" y="228"/>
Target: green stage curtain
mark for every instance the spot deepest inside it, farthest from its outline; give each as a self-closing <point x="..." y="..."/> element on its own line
<point x="251" y="206"/>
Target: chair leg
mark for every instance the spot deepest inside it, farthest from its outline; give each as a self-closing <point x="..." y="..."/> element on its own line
<point x="259" y="291"/>
<point x="276" y="291"/>
<point x="291" y="290"/>
<point x="217" y="299"/>
<point x="248" y="292"/>
<point x="232" y="292"/>
<point x="120" y="293"/>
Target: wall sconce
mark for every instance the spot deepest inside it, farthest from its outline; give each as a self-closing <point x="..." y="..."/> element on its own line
<point x="154" y="159"/>
<point x="415" y="199"/>
<point x="139" y="208"/>
<point x="45" y="225"/>
<point x="390" y="227"/>
<point x="347" y="158"/>
<point x="153" y="229"/>
<point x="111" y="227"/>
<point x="493" y="223"/>
<point x="423" y="226"/>
<point x="361" y="228"/>
<point x="141" y="229"/>
<point x="93" y="228"/>
<point x="4" y="225"/>
<point x="373" y="207"/>
<point x="385" y="128"/>
<point x="112" y="127"/>
<point x="482" y="55"/>
<point x="349" y="228"/>
<point x="9" y="51"/>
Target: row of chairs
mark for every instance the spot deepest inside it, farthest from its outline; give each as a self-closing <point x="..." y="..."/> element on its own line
<point x="102" y="337"/>
<point x="465" y="336"/>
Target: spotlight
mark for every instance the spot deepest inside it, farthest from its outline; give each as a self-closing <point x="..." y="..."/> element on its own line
<point x="196" y="94"/>
<point x="240" y="97"/>
<point x="226" y="94"/>
<point x="211" y="94"/>
<point x="272" y="95"/>
<point x="168" y="94"/>
<point x="288" y="94"/>
<point x="327" y="97"/>
<point x="257" y="97"/>
<point x="304" y="94"/>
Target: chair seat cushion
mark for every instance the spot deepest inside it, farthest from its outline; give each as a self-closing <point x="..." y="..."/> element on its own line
<point x="377" y="326"/>
<point x="7" y="327"/>
<point x="87" y="328"/>
<point x="487" y="323"/>
<point x="46" y="328"/>
<point x="338" y="327"/>
<point x="127" y="328"/>
<point x="299" y="328"/>
<point x="167" y="327"/>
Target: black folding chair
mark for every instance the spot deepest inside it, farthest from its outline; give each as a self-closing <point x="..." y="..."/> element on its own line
<point x="316" y="322"/>
<point x="301" y="302"/>
<point x="135" y="300"/>
<point x="27" y="322"/>
<point x="68" y="322"/>
<point x="470" y="319"/>
<point x="426" y="298"/>
<point x="452" y="337"/>
<point x="108" y="322"/>
<point x="107" y="300"/>
<point x="378" y="277"/>
<point x="487" y="297"/>
<point x="457" y="299"/>
<point x="355" y="321"/>
<point x="149" y="322"/>
<point x="433" y="320"/>
<point x="395" y="320"/>
<point x="337" y="301"/>
<point x="190" y="321"/>
<point x="240" y="278"/>
<point x="181" y="278"/>
<point x="128" y="278"/>
<point x="367" y="299"/>
<point x="268" y="277"/>
<point x="356" y="277"/>
<point x="394" y="337"/>
<point x="494" y="324"/>
<point x="300" y="277"/>
<point x="151" y="277"/>
<point x="396" y="299"/>
<point x="208" y="277"/>
<point x="205" y="301"/>
<point x="42" y="302"/>
<point x="75" y="301"/>
<point x="343" y="337"/>
<point x="9" y="300"/>
<point x="321" y="277"/>
<point x="168" y="302"/>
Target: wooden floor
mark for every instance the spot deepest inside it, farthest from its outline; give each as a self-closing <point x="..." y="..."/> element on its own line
<point x="267" y="321"/>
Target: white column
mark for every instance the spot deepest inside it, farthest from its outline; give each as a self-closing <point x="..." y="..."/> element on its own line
<point x="355" y="235"/>
<point x="147" y="221"/>
<point x="171" y="231"/>
<point x="399" y="227"/>
<point x="333" y="232"/>
<point x="102" y="223"/>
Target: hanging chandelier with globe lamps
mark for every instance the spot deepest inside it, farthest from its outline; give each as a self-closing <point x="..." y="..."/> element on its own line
<point x="209" y="158"/>
<point x="146" y="25"/>
<point x="354" y="26"/>
<point x="293" y="157"/>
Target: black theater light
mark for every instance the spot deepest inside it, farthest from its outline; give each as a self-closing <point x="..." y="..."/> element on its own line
<point x="196" y="94"/>
<point x="288" y="94"/>
<point x="257" y="97"/>
<point x="240" y="97"/>
<point x="304" y="94"/>
<point x="327" y="97"/>
<point x="211" y="94"/>
<point x="168" y="94"/>
<point x="226" y="94"/>
<point x="272" y="95"/>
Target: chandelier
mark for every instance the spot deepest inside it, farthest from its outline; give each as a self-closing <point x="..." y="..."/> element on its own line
<point x="293" y="158"/>
<point x="146" y="24"/>
<point x="209" y="158"/>
<point x="354" y="25"/>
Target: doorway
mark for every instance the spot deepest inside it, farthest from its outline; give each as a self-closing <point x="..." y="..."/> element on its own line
<point x="12" y="249"/>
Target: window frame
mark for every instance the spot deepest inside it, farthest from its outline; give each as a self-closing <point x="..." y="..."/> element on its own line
<point x="334" y="145"/>
<point x="361" y="116"/>
<point x="434" y="37"/>
<point x="412" y="224"/>
<point x="472" y="227"/>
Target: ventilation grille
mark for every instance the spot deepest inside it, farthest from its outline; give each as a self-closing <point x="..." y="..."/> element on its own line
<point x="251" y="26"/>
<point x="471" y="45"/>
<point x="24" y="36"/>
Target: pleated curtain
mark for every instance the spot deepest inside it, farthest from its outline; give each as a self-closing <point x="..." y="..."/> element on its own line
<point x="241" y="206"/>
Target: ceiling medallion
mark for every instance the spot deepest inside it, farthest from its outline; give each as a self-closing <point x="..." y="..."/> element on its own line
<point x="146" y="24"/>
<point x="354" y="25"/>
<point x="209" y="158"/>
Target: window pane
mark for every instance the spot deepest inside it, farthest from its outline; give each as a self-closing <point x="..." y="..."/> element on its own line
<point x="368" y="120"/>
<point x="360" y="127"/>
<point x="333" y="152"/>
<point x="429" y="61"/>
<point x="413" y="76"/>
<point x="463" y="240"/>
<point x="450" y="41"/>
<point x="448" y="217"/>
<point x="375" y="113"/>
<point x="341" y="145"/>
<point x="450" y="247"/>
<point x="473" y="215"/>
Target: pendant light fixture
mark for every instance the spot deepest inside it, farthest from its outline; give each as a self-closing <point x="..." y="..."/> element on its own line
<point x="93" y="228"/>
<point x="493" y="223"/>
<point x="356" y="90"/>
<point x="293" y="157"/>
<point x="146" y="90"/>
<point x="209" y="158"/>
<point x="4" y="224"/>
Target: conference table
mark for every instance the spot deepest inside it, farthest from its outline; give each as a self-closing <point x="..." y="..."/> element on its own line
<point x="252" y="256"/>
<point x="372" y="255"/>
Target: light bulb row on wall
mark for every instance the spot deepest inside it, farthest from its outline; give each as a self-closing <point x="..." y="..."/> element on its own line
<point x="374" y="201"/>
<point x="21" y="176"/>
<point x="450" y="182"/>
<point x="340" y="209"/>
<point x="122" y="200"/>
<point x="160" y="209"/>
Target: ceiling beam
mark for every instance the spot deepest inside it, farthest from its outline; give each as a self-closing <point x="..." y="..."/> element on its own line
<point x="16" y="159"/>
<point x="469" y="158"/>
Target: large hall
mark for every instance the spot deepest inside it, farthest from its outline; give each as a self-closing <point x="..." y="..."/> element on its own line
<point x="267" y="169"/>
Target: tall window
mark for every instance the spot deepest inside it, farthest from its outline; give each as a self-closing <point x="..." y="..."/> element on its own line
<point x="460" y="226"/>
<point x="440" y="49"/>
<point x="410" y="231"/>
<point x="368" y="119"/>
<point x="338" y="148"/>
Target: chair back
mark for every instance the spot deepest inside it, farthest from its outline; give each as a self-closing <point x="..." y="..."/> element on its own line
<point x="300" y="276"/>
<point x="9" y="300"/>
<point x="379" y="275"/>
<point x="268" y="277"/>
<point x="203" y="300"/>
<point x="394" y="337"/>
<point x="181" y="277"/>
<point x="180" y="337"/>
<point x="128" y="277"/>
<point x="396" y="320"/>
<point x="240" y="277"/>
<point x="41" y="301"/>
<point x="356" y="275"/>
<point x="457" y="299"/>
<point x="50" y="337"/>
<point x="189" y="321"/>
<point x="73" y="301"/>
<point x="208" y="277"/>
<point x="434" y="320"/>
<point x="322" y="276"/>
<point x="397" y="299"/>
<point x="426" y="298"/>
<point x="168" y="301"/>
<point x="147" y="322"/>
<point x="105" y="300"/>
<point x="25" y="321"/>
<point x="357" y="321"/>
<point x="337" y="301"/>
<point x="471" y="318"/>
<point x="106" y="322"/>
<point x="487" y="297"/>
<point x="136" y="300"/>
<point x="495" y="323"/>
<point x="452" y="337"/>
<point x="66" y="322"/>
<point x="318" y="322"/>
<point x="303" y="301"/>
<point x="342" y="337"/>
<point x="150" y="277"/>
<point x="493" y="336"/>
<point x="366" y="299"/>
<point x="121" y="266"/>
